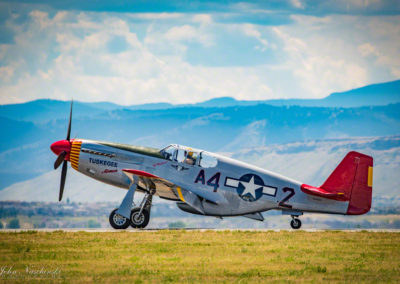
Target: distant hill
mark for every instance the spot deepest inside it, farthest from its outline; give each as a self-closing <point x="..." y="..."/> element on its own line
<point x="371" y="95"/>
<point x="377" y="94"/>
<point x="25" y="153"/>
<point x="224" y="102"/>
<point x="45" y="109"/>
<point x="150" y="106"/>
<point x="221" y="124"/>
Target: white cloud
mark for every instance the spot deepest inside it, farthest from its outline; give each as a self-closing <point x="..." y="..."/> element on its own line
<point x="362" y="3"/>
<point x="87" y="71"/>
<point x="383" y="42"/>
<point x="188" y="33"/>
<point x="326" y="55"/>
<point x="40" y="19"/>
<point x="68" y="55"/>
<point x="251" y="31"/>
<point x="297" y="4"/>
<point x="367" y="49"/>
<point x="204" y="19"/>
<point x="7" y="72"/>
<point x="395" y="71"/>
<point x="156" y="16"/>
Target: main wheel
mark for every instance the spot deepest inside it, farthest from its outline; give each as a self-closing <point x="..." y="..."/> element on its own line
<point x="295" y="223"/>
<point x="117" y="221"/>
<point x="139" y="220"/>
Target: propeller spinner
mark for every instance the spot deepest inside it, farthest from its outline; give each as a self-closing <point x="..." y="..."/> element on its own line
<point x="62" y="149"/>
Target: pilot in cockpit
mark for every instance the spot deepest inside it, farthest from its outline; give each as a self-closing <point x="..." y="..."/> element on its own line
<point x="190" y="160"/>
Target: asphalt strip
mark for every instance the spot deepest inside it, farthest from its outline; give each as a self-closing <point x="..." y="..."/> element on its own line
<point x="196" y="229"/>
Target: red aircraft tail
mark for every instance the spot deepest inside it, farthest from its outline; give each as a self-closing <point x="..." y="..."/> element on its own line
<point x="353" y="177"/>
<point x="350" y="181"/>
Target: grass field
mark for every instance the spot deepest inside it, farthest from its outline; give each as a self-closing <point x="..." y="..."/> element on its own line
<point x="194" y="256"/>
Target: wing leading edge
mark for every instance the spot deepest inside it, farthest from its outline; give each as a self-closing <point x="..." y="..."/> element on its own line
<point x="188" y="195"/>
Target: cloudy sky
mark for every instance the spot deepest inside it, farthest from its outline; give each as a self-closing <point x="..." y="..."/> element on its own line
<point x="188" y="51"/>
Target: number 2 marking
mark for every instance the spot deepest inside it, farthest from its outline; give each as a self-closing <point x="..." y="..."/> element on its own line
<point x="290" y="195"/>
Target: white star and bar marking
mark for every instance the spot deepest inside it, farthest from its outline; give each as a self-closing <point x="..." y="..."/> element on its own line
<point x="250" y="187"/>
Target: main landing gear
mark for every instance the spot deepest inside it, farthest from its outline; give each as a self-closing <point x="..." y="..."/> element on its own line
<point x="295" y="223"/>
<point x="138" y="217"/>
<point x="118" y="221"/>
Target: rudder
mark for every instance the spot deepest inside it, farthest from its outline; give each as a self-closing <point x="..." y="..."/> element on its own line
<point x="353" y="178"/>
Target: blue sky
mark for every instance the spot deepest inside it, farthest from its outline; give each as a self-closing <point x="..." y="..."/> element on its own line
<point x="191" y="51"/>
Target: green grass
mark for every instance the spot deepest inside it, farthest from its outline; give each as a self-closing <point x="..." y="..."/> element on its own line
<point x="209" y="256"/>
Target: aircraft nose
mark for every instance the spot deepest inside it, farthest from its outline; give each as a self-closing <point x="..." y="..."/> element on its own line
<point x="59" y="146"/>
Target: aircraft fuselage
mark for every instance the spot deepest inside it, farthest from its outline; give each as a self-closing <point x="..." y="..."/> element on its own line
<point x="237" y="187"/>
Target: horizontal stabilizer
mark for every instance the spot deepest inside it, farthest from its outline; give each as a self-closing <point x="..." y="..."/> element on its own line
<point x="317" y="191"/>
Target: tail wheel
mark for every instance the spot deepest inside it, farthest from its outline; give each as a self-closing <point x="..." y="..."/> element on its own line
<point x="295" y="223"/>
<point x="117" y="221"/>
<point x="139" y="220"/>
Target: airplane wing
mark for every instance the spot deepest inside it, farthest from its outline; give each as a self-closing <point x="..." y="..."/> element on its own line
<point x="131" y="173"/>
<point x="163" y="187"/>
<point x="184" y="193"/>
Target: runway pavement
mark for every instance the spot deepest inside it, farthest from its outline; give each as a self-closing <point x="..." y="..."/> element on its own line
<point x="110" y="230"/>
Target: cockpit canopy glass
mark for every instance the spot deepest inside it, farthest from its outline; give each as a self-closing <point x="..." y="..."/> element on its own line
<point x="189" y="156"/>
<point x="169" y="153"/>
<point x="207" y="160"/>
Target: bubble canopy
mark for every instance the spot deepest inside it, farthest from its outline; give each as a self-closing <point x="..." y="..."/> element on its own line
<point x="189" y="156"/>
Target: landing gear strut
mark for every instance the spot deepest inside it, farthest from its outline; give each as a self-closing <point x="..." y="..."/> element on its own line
<point x="295" y="223"/>
<point x="140" y="216"/>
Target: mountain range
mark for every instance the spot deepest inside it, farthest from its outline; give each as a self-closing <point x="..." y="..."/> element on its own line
<point x="219" y="125"/>
<point x="44" y="110"/>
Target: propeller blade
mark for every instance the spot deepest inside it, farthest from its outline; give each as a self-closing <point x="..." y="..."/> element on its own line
<point x="63" y="176"/>
<point x="60" y="159"/>
<point x="69" y="124"/>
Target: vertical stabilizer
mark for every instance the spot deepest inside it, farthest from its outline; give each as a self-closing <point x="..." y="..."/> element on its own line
<point x="353" y="178"/>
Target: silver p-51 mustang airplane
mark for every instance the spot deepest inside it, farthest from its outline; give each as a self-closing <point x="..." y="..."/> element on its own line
<point x="205" y="183"/>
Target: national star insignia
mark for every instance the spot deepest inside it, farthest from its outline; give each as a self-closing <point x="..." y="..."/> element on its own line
<point x="250" y="187"/>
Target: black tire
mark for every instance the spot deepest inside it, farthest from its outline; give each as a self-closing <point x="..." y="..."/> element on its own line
<point x="117" y="221"/>
<point x="139" y="221"/>
<point x="295" y="223"/>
